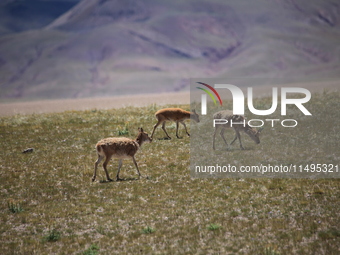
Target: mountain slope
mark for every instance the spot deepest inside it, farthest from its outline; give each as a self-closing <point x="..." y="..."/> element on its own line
<point x="114" y="47"/>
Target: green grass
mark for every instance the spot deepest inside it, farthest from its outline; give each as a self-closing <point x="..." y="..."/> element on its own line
<point x="124" y="131"/>
<point x="181" y="215"/>
<point x="92" y="250"/>
<point x="14" y="207"/>
<point x="214" y="227"/>
<point x="148" y="230"/>
<point x="53" y="235"/>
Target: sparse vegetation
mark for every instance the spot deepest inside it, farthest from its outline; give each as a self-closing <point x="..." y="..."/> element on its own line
<point x="92" y="250"/>
<point x="53" y="235"/>
<point x="214" y="227"/>
<point x="270" y="251"/>
<point x="148" y="230"/>
<point x="14" y="207"/>
<point x="123" y="131"/>
<point x="253" y="216"/>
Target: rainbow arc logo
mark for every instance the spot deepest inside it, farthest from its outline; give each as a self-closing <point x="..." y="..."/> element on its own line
<point x="209" y="93"/>
<point x="204" y="98"/>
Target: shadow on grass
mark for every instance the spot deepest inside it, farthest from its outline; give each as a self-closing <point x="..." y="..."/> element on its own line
<point x="164" y="138"/>
<point x="128" y="179"/>
<point x="234" y="149"/>
<point x="121" y="180"/>
<point x="167" y="138"/>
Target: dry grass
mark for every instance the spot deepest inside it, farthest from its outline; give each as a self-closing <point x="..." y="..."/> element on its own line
<point x="63" y="212"/>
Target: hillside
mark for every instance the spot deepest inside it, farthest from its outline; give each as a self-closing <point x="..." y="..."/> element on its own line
<point x="105" y="48"/>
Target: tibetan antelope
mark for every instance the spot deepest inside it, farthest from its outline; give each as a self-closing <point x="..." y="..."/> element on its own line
<point x="119" y="147"/>
<point x="228" y="115"/>
<point x="174" y="114"/>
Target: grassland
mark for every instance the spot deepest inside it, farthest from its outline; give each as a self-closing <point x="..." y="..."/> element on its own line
<point x="50" y="206"/>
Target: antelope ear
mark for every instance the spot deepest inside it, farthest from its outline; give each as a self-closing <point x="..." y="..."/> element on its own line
<point x="140" y="129"/>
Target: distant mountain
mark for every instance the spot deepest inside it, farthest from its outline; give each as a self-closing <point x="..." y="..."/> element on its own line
<point x="116" y="47"/>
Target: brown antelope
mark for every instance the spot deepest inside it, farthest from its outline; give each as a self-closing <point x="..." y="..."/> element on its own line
<point x="119" y="147"/>
<point x="174" y="114"/>
<point x="242" y="126"/>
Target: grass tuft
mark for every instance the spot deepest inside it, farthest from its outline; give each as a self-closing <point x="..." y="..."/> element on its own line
<point x="148" y="230"/>
<point x="213" y="227"/>
<point x="270" y="251"/>
<point x="329" y="234"/>
<point x="14" y="207"/>
<point x="53" y="235"/>
<point x="92" y="250"/>
<point x="123" y="131"/>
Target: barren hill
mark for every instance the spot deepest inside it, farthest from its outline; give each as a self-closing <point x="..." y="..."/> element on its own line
<point x="116" y="47"/>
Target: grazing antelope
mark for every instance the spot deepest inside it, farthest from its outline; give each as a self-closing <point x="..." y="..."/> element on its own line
<point x="119" y="147"/>
<point x="174" y="114"/>
<point x="228" y="115"/>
